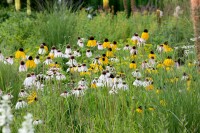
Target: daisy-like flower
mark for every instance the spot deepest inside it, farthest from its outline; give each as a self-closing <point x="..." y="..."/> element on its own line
<point x="103" y="77"/>
<point x="84" y="68"/>
<point x="118" y="79"/>
<point x="68" y="50"/>
<point x="28" y="82"/>
<point x="109" y="53"/>
<point x="185" y="76"/>
<point x="38" y="85"/>
<point x="152" y="54"/>
<point x="41" y="50"/>
<point x="114" y="46"/>
<point x="10" y="96"/>
<point x="23" y="94"/>
<point x="92" y="42"/>
<point x="27" y="125"/>
<point x="20" y="104"/>
<point x="132" y="65"/>
<point x="136" y="74"/>
<point x="37" y="122"/>
<point x="78" y="92"/>
<point x="100" y="46"/>
<point x="32" y="98"/>
<point x="135" y="39"/>
<point x="77" y="53"/>
<point x="30" y="62"/>
<point x="145" y="35"/>
<point x="160" y="48"/>
<point x="80" y="42"/>
<point x="168" y="62"/>
<point x="65" y="94"/>
<point x="110" y="80"/>
<point x="166" y="47"/>
<point x="37" y="60"/>
<point x="94" y="83"/>
<point x="106" y="43"/>
<point x="1" y="56"/>
<point x="9" y="60"/>
<point x="133" y="50"/>
<point x="48" y="61"/>
<point x="88" y="53"/>
<point x="20" y="54"/>
<point x="139" y="109"/>
<point x="127" y="47"/>
<point x="22" y="67"/>
<point x="72" y="62"/>
<point x="104" y="60"/>
<point x="52" y="52"/>
<point x="152" y="62"/>
<point x="60" y="77"/>
<point x="58" y="54"/>
<point x="138" y="82"/>
<point x="124" y="86"/>
<point x="144" y="65"/>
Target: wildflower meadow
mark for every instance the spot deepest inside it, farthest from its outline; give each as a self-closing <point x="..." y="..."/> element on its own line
<point x="85" y="68"/>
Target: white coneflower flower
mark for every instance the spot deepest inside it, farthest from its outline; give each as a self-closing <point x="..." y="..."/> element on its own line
<point x="144" y="65"/>
<point x="103" y="77"/>
<point x="100" y="46"/>
<point x="27" y="125"/>
<point x="41" y="50"/>
<point x="152" y="62"/>
<point x="77" y="53"/>
<point x="80" y="42"/>
<point x="20" y="104"/>
<point x="184" y="77"/>
<point x="82" y="82"/>
<point x="9" y="60"/>
<point x="58" y="54"/>
<point x="37" y="122"/>
<point x="1" y="56"/>
<point x="10" y="95"/>
<point x="60" y="77"/>
<point x="88" y="53"/>
<point x="114" y="59"/>
<point x="84" y="68"/>
<point x="138" y="82"/>
<point x="72" y="62"/>
<point x="147" y="82"/>
<point x="28" y="82"/>
<point x="127" y="47"/>
<point x="22" y="67"/>
<point x="65" y="94"/>
<point x="48" y="61"/>
<point x="133" y="50"/>
<point x="38" y="85"/>
<point x="37" y="60"/>
<point x="136" y="74"/>
<point x="160" y="48"/>
<point x="118" y="79"/>
<point x="124" y="86"/>
<point x="77" y="92"/>
<point x="23" y="94"/>
<point x="68" y="50"/>
<point x="6" y="116"/>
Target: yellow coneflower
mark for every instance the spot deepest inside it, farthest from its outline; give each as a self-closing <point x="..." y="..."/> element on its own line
<point x="139" y="109"/>
<point x="17" y="5"/>
<point x="32" y="98"/>
<point x="132" y="65"/>
<point x="151" y="109"/>
<point x="152" y="55"/>
<point x="168" y="62"/>
<point x="30" y="62"/>
<point x="28" y="7"/>
<point x="166" y="47"/>
<point x="114" y="46"/>
<point x="106" y="44"/>
<point x="91" y="42"/>
<point x="20" y="54"/>
<point x="109" y="53"/>
<point x="145" y="35"/>
<point x="150" y="87"/>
